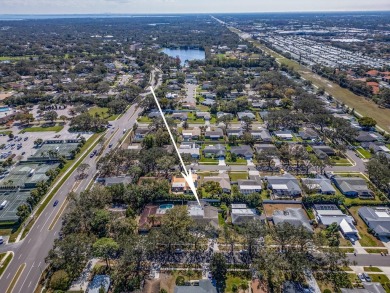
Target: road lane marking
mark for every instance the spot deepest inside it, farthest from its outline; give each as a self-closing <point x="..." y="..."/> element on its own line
<point x="29" y="284"/>
<point x="29" y="241"/>
<point x="16" y="277"/>
<point x="58" y="215"/>
<point x="44" y="224"/>
<point x="29" y="271"/>
<point x="5" y="259"/>
<point x="8" y="275"/>
<point x="19" y="256"/>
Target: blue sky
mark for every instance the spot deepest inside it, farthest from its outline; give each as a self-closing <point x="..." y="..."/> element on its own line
<point x="184" y="6"/>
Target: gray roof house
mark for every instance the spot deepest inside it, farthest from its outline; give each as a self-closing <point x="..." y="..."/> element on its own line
<point x="205" y="213"/>
<point x="248" y="114"/>
<point x="223" y="180"/>
<point x="140" y="133"/>
<point x="191" y="149"/>
<point x="285" y="185"/>
<point x="377" y="219"/>
<point x="284" y="134"/>
<point x="241" y="214"/>
<point x="365" y="136"/>
<point x="234" y="132"/>
<point x="328" y="214"/>
<point x="308" y="133"/>
<point x="204" y="115"/>
<point x="189" y="134"/>
<point x="265" y="147"/>
<point x="215" y="151"/>
<point x="320" y="185"/>
<point x="183" y="116"/>
<point x="208" y="102"/>
<point x="294" y="216"/>
<point x="249" y="186"/>
<point x="214" y="134"/>
<point x="221" y="114"/>
<point x="352" y="186"/>
<point x="262" y="134"/>
<point x="324" y="149"/>
<point x="244" y="151"/>
<point x="205" y="286"/>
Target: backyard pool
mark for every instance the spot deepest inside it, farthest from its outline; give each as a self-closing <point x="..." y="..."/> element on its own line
<point x="4" y="109"/>
<point x="165" y="206"/>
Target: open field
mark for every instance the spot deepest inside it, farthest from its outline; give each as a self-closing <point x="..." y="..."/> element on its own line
<point x="102" y="112"/>
<point x="270" y="208"/>
<point x="361" y="104"/>
<point x="56" y="128"/>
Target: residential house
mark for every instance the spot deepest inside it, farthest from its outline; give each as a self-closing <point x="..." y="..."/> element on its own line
<point x="191" y="149"/>
<point x="375" y="147"/>
<point x="261" y="134"/>
<point x="327" y="214"/>
<point x="180" y="185"/>
<point x="208" y="102"/>
<point x="284" y="134"/>
<point x="294" y="216"/>
<point x="377" y="219"/>
<point x="202" y="286"/>
<point x="322" y="151"/>
<point x="248" y="114"/>
<point x="242" y="151"/>
<point x="259" y="104"/>
<point x="221" y="114"/>
<point x="265" y="147"/>
<point x="109" y="181"/>
<point x="182" y="116"/>
<point x="237" y="132"/>
<point x="241" y="214"/>
<point x="320" y="185"/>
<point x="365" y="136"/>
<point x="140" y="133"/>
<point x="223" y="180"/>
<point x="249" y="186"/>
<point x="203" y="115"/>
<point x="205" y="214"/>
<point x="191" y="134"/>
<point x="284" y="185"/>
<point x="214" y="151"/>
<point x="308" y="134"/>
<point x="352" y="186"/>
<point x="216" y="133"/>
<point x="154" y="114"/>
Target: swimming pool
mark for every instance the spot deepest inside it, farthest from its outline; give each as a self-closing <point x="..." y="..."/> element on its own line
<point x="166" y="206"/>
<point x="4" y="109"/>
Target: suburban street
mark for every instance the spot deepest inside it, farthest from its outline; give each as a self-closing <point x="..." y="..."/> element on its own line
<point x="33" y="249"/>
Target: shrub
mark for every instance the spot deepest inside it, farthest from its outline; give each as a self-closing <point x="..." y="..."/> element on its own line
<point x="327" y="291"/>
<point x="180" y="281"/>
<point x="59" y="280"/>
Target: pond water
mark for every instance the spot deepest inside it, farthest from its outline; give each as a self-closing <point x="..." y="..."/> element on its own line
<point x="185" y="54"/>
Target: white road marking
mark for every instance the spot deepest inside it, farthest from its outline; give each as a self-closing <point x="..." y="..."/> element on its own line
<point x="21" y="287"/>
<point x="8" y="275"/>
<point x="29" y="284"/>
<point x="48" y="218"/>
<point x="19" y="256"/>
<point x="29" y="241"/>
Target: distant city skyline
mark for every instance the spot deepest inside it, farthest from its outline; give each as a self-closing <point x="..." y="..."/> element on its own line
<point x="185" y="6"/>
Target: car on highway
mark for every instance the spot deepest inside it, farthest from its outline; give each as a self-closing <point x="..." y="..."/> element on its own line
<point x="124" y="130"/>
<point x="1" y="240"/>
<point x="55" y="203"/>
<point x="110" y="145"/>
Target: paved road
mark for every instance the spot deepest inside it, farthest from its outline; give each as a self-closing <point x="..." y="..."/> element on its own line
<point x="376" y="260"/>
<point x="35" y="247"/>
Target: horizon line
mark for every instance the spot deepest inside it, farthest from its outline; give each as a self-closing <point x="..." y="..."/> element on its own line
<point x="180" y="13"/>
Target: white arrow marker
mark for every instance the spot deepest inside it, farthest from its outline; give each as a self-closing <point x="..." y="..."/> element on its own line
<point x="187" y="174"/>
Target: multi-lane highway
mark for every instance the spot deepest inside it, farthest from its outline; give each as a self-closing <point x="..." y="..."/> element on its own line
<point x="30" y="253"/>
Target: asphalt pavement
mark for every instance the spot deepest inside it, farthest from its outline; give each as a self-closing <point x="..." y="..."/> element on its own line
<point x="33" y="249"/>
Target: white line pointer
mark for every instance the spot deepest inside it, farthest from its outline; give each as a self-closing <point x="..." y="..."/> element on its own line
<point x="188" y="175"/>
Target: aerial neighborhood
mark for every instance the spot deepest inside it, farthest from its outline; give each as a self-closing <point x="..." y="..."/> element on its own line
<point x="293" y="180"/>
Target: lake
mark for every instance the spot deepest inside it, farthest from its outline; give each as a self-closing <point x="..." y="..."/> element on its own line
<point x="185" y="54"/>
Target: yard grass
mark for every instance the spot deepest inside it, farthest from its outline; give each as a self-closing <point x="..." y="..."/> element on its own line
<point x="364" y="153"/>
<point x="376" y="250"/>
<point x="341" y="162"/>
<point x="347" y="250"/>
<point x="372" y="269"/>
<point x="5" y="263"/>
<point x="383" y="279"/>
<point x="221" y="220"/>
<point x="102" y="112"/>
<point x="361" y="105"/>
<point x="232" y="280"/>
<point x="144" y="119"/>
<point x="367" y="240"/>
<point x="7" y="132"/>
<point x="234" y="176"/>
<point x="56" y="128"/>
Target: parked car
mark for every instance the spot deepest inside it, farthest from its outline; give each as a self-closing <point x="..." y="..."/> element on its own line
<point x="367" y="277"/>
<point x="361" y="277"/>
<point x="353" y="240"/>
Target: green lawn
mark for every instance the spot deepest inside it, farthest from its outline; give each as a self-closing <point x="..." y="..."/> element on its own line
<point x="238" y="175"/>
<point x="231" y="280"/>
<point x="341" y="162"/>
<point x="364" y="153"/>
<point x="7" y="132"/>
<point x="383" y="279"/>
<point x="372" y="269"/>
<point x="56" y="128"/>
<point x="144" y="119"/>
<point x="376" y="250"/>
<point x="221" y="220"/>
<point x="102" y="112"/>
